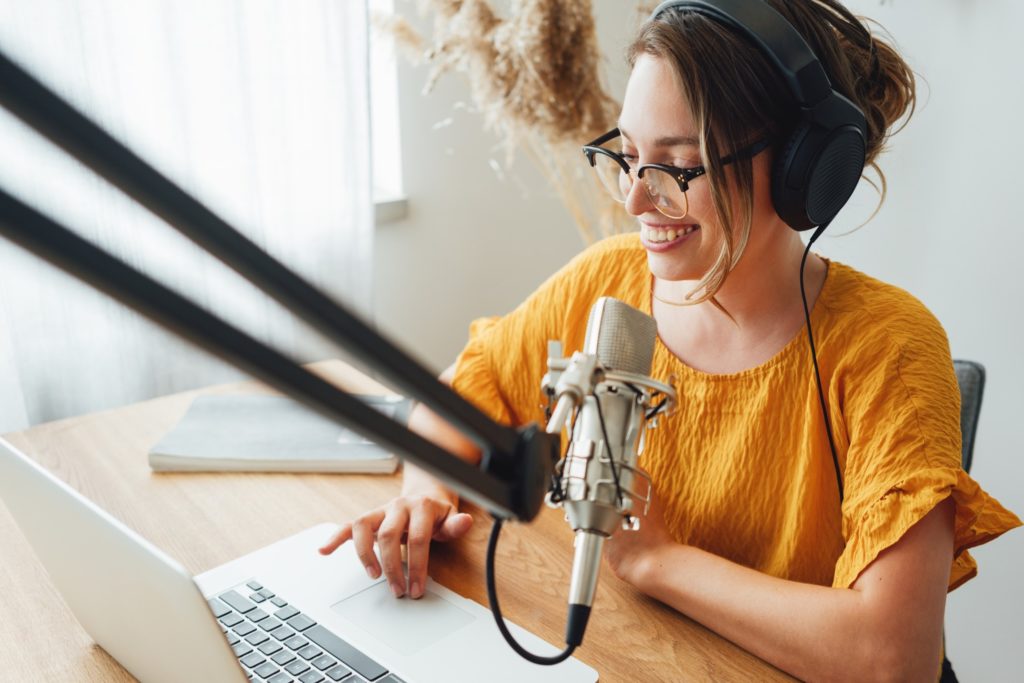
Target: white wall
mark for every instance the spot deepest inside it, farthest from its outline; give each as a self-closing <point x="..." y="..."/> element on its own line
<point x="475" y="244"/>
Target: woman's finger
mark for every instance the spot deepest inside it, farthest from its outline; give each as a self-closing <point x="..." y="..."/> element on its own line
<point x="422" y="520"/>
<point x="389" y="542"/>
<point x="364" y="531"/>
<point x="342" y="536"/>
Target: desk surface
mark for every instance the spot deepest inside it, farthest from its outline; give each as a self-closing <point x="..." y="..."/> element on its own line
<point x="204" y="520"/>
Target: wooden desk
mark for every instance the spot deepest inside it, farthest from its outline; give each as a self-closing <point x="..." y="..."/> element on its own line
<point x="204" y="520"/>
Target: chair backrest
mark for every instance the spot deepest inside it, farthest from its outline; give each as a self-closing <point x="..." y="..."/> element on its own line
<point x="971" y="377"/>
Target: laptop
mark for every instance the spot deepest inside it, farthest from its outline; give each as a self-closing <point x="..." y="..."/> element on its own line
<point x="281" y="613"/>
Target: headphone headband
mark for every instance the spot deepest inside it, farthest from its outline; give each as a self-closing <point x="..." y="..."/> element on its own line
<point x="782" y="44"/>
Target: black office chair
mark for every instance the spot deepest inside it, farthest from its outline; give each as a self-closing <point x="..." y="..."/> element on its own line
<point x="971" y="377"/>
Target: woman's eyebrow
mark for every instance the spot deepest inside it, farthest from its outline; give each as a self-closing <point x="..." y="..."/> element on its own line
<point x="668" y="141"/>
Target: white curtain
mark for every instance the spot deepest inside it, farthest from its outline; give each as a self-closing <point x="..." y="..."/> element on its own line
<point x="257" y="107"/>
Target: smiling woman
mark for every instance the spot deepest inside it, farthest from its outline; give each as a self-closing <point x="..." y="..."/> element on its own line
<point x="809" y="505"/>
<point x="258" y="109"/>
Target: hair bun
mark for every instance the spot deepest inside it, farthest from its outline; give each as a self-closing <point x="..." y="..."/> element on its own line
<point x="862" y="66"/>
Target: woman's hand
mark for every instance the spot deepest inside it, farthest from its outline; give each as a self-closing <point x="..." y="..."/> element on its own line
<point x="632" y="555"/>
<point x="424" y="512"/>
<point x="415" y="520"/>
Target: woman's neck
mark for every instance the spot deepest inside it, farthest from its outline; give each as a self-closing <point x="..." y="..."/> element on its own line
<point x="760" y="312"/>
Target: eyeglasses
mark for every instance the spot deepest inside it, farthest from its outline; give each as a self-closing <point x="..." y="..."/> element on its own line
<point x="665" y="185"/>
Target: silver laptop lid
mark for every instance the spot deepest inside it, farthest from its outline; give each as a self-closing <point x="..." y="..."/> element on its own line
<point x="137" y="603"/>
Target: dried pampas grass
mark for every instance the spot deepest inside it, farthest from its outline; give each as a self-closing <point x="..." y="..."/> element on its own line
<point x="535" y="78"/>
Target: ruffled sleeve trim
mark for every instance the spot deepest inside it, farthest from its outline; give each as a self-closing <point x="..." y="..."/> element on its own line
<point x="979" y="519"/>
<point x="475" y="378"/>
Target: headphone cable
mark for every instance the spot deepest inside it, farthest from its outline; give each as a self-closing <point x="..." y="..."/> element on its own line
<point x="814" y="358"/>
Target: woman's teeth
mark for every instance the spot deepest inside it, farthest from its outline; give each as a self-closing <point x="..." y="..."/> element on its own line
<point x="666" y="235"/>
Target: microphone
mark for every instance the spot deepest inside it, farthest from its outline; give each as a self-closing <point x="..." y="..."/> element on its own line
<point x="606" y="391"/>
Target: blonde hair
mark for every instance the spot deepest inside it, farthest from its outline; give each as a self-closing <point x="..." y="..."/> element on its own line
<point x="734" y="94"/>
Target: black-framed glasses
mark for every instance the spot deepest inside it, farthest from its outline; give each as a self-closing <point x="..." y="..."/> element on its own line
<point x="665" y="185"/>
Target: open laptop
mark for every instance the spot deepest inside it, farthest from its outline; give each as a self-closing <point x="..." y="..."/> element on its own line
<point x="281" y="613"/>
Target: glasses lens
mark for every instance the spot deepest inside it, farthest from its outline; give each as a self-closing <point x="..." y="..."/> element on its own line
<point x="613" y="178"/>
<point x="664" y="193"/>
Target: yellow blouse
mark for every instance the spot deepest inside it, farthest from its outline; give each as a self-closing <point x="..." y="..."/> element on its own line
<point x="743" y="467"/>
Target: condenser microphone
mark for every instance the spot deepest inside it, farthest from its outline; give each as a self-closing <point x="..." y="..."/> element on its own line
<point x="605" y="394"/>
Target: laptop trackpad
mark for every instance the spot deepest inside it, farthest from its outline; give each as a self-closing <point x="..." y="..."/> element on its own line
<point x="406" y="625"/>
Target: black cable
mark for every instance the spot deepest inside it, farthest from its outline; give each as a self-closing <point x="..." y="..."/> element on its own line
<point x="557" y="491"/>
<point x="814" y="358"/>
<point x="634" y="388"/>
<point x="656" y="409"/>
<point x="577" y="621"/>
<point x="611" y="457"/>
<point x="492" y="598"/>
<point x="653" y="411"/>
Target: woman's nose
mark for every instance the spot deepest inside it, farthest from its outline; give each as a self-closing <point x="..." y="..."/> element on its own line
<point x="637" y="201"/>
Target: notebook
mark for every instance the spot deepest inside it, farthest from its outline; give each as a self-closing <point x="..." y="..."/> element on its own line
<point x="281" y="613"/>
<point x="266" y="433"/>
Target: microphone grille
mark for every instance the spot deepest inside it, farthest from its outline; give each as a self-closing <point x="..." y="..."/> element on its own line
<point x="621" y="336"/>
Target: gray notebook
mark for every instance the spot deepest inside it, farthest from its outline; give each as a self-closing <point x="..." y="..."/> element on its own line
<point x="260" y="433"/>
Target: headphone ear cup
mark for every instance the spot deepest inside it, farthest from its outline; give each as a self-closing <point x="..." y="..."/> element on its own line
<point x="789" y="191"/>
<point x="838" y="166"/>
<point x="816" y="172"/>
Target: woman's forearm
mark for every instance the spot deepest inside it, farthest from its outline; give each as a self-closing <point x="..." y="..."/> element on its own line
<point x="429" y="425"/>
<point x="809" y="631"/>
<point x="888" y="626"/>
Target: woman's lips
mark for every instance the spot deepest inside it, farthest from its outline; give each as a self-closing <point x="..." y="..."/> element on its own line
<point x="665" y="236"/>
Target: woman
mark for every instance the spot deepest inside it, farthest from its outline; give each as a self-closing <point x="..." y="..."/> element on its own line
<point x="749" y="533"/>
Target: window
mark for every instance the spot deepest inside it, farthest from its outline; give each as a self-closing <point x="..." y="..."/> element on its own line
<point x="388" y="192"/>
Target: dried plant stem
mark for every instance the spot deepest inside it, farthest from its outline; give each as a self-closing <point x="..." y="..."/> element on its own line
<point x="535" y="78"/>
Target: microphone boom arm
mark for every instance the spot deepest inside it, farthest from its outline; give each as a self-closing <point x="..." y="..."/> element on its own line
<point x="517" y="463"/>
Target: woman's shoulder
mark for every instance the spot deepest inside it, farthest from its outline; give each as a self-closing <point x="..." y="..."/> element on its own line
<point x="861" y="305"/>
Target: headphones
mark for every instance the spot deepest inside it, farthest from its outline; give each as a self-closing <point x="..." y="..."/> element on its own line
<point x="819" y="164"/>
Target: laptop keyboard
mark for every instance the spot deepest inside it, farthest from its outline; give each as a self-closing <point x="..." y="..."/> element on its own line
<point x="275" y="642"/>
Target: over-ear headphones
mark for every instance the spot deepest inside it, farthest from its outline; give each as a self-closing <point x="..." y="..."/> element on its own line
<point x="818" y="165"/>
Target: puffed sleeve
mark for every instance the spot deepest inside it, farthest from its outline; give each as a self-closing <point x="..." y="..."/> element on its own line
<point x="501" y="367"/>
<point x="901" y="409"/>
<point x="475" y="376"/>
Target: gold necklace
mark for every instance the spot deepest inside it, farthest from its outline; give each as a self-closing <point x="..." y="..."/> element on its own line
<point x="713" y="301"/>
<point x="654" y="293"/>
<point x="670" y="303"/>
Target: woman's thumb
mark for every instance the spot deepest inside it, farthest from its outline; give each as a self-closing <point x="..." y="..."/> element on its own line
<point x="454" y="526"/>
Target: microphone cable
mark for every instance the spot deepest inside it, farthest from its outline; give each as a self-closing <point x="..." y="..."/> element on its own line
<point x="814" y="358"/>
<point x="492" y="588"/>
<point x="492" y="598"/>
<point x="577" y="619"/>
